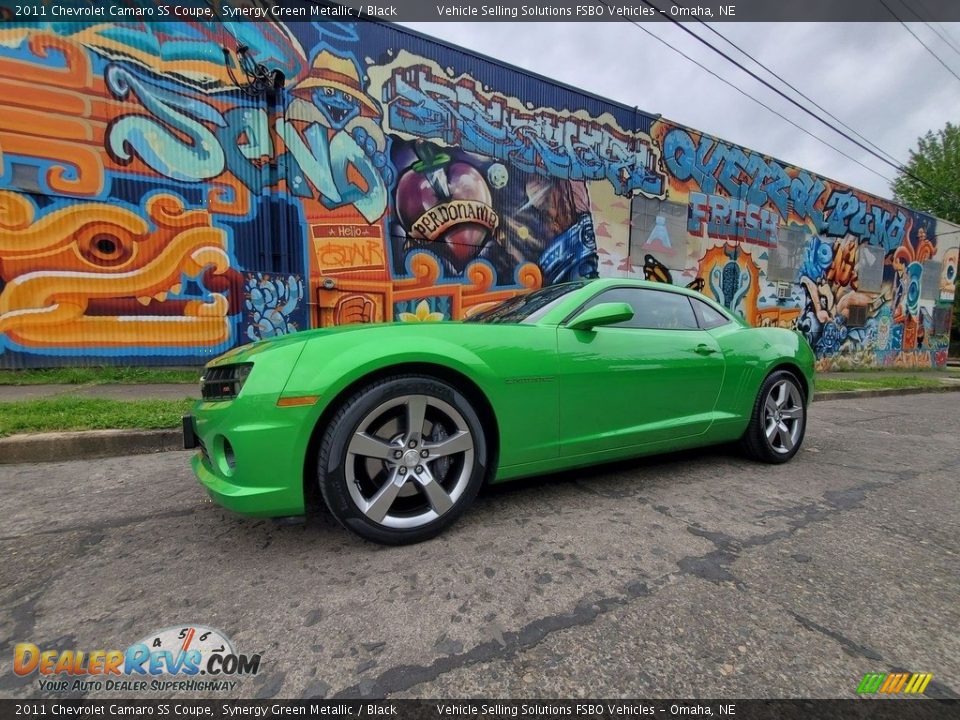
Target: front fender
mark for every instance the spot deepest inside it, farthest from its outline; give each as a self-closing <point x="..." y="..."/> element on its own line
<point x="513" y="366"/>
<point x="329" y="365"/>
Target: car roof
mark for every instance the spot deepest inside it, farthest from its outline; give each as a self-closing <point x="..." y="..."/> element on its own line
<point x="599" y="283"/>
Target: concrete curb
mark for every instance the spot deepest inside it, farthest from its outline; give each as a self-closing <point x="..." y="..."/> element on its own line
<point x="86" y="445"/>
<point x="91" y="444"/>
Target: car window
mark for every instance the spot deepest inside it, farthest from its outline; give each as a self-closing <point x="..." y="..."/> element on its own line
<point x="709" y="317"/>
<point x="652" y="309"/>
<point x="527" y="308"/>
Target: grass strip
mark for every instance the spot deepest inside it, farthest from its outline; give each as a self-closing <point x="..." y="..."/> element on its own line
<point x="98" y="376"/>
<point x="896" y="382"/>
<point x="75" y="413"/>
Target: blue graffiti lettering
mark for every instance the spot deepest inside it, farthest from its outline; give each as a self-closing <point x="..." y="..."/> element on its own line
<point x="544" y="142"/>
<point x="731" y="218"/>
<point x="326" y="162"/>
<point x="197" y="158"/>
<point x="247" y="144"/>
<point x="685" y="160"/>
<point x="741" y="174"/>
<point x="845" y="213"/>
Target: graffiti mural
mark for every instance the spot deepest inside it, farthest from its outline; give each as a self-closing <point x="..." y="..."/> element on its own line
<point x="99" y="275"/>
<point x="153" y="206"/>
<point x="781" y="246"/>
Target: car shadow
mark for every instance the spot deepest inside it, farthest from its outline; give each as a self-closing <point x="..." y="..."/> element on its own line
<point x="319" y="527"/>
<point x="594" y="473"/>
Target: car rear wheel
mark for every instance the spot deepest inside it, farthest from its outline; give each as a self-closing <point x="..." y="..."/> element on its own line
<point x="779" y="419"/>
<point x="402" y="459"/>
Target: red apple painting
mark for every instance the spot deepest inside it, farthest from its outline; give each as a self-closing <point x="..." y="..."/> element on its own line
<point x="446" y="202"/>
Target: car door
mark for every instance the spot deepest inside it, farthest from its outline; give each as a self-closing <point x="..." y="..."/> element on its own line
<point x="654" y="377"/>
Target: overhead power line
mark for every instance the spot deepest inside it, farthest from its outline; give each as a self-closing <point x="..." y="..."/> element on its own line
<point x="943" y="36"/>
<point x="751" y="97"/>
<point x="947" y="37"/>
<point x="797" y="90"/>
<point x="954" y="42"/>
<point x="896" y="166"/>
<point x="917" y="38"/>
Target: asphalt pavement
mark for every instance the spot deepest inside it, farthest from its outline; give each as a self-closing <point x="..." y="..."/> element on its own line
<point x="694" y="575"/>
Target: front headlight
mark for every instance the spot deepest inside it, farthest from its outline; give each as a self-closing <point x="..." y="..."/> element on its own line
<point x="224" y="382"/>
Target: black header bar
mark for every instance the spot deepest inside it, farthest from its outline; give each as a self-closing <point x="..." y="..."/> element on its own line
<point x="639" y="11"/>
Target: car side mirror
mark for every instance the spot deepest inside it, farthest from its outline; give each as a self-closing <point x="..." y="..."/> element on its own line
<point x="609" y="313"/>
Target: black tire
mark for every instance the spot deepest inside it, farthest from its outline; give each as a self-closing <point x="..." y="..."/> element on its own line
<point x="756" y="441"/>
<point x="347" y="479"/>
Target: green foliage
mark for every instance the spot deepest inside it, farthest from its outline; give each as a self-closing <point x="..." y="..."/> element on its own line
<point x="937" y="160"/>
<point x="75" y="413"/>
<point x="98" y="376"/>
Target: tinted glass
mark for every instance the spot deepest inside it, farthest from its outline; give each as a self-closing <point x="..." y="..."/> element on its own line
<point x="652" y="309"/>
<point x="527" y="308"/>
<point x="709" y="318"/>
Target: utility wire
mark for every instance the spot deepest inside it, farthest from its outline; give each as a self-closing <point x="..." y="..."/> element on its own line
<point x="932" y="28"/>
<point x="899" y="168"/>
<point x="917" y="38"/>
<point x="751" y="97"/>
<point x="953" y="39"/>
<point x="796" y="90"/>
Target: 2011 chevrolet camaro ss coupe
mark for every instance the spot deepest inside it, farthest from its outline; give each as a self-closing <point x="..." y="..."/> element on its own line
<point x="398" y="425"/>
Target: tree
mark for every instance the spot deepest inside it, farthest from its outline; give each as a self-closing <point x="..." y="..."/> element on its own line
<point x="937" y="161"/>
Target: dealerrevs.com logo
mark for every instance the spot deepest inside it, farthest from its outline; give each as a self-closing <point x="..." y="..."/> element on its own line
<point x="190" y="658"/>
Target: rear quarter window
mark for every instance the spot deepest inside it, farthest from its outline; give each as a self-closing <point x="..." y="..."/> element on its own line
<point x="708" y="317"/>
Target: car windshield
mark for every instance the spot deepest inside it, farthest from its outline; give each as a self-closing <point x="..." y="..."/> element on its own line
<point x="527" y="308"/>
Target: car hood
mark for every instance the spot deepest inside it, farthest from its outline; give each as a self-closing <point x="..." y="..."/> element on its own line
<point x="244" y="353"/>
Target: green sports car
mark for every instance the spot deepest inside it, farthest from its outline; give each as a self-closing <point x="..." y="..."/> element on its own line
<point x="396" y="426"/>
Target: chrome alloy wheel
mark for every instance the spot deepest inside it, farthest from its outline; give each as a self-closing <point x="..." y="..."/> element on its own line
<point x="783" y="416"/>
<point x="409" y="461"/>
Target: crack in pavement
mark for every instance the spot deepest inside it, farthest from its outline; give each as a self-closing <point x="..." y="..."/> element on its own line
<point x="849" y="646"/>
<point x="21" y="611"/>
<point x="713" y="566"/>
<point x="935" y="690"/>
<point x="112" y="525"/>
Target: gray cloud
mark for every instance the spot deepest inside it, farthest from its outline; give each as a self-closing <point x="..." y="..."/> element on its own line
<point x="874" y="76"/>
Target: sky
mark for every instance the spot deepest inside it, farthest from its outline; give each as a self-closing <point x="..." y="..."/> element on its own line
<point x="875" y="77"/>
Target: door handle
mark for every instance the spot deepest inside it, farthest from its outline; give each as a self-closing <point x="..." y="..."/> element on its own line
<point x="704" y="349"/>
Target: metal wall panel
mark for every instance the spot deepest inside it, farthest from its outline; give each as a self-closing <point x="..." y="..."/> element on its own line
<point x="153" y="212"/>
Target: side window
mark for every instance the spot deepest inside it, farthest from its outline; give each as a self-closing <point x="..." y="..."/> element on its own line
<point x="652" y="309"/>
<point x="709" y="318"/>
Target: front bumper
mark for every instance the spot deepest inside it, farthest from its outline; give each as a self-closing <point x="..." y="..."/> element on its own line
<point x="252" y="453"/>
<point x="255" y="501"/>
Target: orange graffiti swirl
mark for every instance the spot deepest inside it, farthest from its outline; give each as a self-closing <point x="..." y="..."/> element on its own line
<point x="529" y="276"/>
<point x="480" y="276"/>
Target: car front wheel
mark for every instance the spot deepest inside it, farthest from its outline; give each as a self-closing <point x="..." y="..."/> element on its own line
<point x="779" y="419"/>
<point x="402" y="459"/>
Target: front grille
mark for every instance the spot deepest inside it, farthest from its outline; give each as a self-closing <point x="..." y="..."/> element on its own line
<point x="223" y="382"/>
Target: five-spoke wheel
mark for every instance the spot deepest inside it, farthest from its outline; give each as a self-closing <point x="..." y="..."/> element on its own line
<point x="414" y="455"/>
<point x="779" y="419"/>
<point x="783" y="416"/>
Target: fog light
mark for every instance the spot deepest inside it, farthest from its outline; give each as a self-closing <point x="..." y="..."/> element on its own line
<point x="228" y="455"/>
<point x="224" y="456"/>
